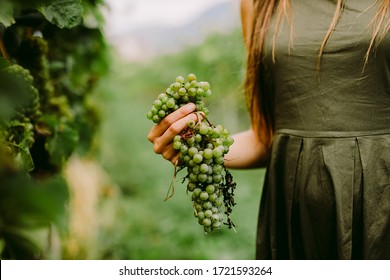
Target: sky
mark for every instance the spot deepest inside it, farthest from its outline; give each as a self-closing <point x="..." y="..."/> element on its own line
<point x="125" y="15"/>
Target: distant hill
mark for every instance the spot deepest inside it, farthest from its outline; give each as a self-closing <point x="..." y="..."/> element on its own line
<point x="147" y="42"/>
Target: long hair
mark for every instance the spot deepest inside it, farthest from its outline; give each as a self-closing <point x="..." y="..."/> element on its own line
<point x="259" y="101"/>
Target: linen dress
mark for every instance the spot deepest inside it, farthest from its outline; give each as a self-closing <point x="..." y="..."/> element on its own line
<point x="326" y="193"/>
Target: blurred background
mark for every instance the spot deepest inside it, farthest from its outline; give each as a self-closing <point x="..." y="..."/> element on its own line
<point x="100" y="196"/>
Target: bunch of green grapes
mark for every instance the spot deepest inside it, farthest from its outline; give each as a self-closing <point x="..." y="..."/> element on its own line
<point x="21" y="81"/>
<point x="202" y="148"/>
<point x="33" y="55"/>
<point x="178" y="94"/>
<point x="17" y="129"/>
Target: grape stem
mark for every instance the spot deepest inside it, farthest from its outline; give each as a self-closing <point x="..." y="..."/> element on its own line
<point x="228" y="194"/>
<point x="201" y="116"/>
<point x="2" y="47"/>
<point x="171" y="189"/>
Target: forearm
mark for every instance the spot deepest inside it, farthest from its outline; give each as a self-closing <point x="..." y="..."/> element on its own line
<point x="246" y="152"/>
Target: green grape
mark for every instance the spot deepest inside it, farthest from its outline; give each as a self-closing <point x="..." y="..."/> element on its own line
<point x="202" y="178"/>
<point x="204" y="168"/>
<point x="176" y="145"/>
<point x="206" y="222"/>
<point x="195" y="169"/>
<point x="200" y="215"/>
<point x="157" y="103"/>
<point x="183" y="149"/>
<point x="191" y="77"/>
<point x="197" y="158"/>
<point x="192" y="151"/>
<point x="171" y="103"/>
<point x="202" y="147"/>
<point x="208" y="213"/>
<point x="180" y="79"/>
<point x="204" y="195"/>
<point x="210" y="189"/>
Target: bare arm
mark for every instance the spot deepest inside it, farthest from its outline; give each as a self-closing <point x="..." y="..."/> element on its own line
<point x="246" y="152"/>
<point x="246" y="20"/>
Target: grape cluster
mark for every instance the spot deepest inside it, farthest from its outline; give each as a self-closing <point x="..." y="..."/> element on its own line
<point x="20" y="128"/>
<point x="32" y="54"/>
<point x="202" y="147"/>
<point x="178" y="94"/>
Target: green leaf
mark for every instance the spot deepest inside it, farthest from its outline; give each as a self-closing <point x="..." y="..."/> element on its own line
<point x="19" y="245"/>
<point x="63" y="13"/>
<point x="63" y="142"/>
<point x="23" y="4"/>
<point x="6" y="14"/>
<point x="29" y="204"/>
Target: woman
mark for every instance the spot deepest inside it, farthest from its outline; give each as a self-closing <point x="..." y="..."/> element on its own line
<point x="318" y="92"/>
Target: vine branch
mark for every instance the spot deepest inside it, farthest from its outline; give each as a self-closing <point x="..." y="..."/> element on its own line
<point x="2" y="47"/>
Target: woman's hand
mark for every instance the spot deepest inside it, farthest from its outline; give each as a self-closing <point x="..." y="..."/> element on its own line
<point x="162" y="134"/>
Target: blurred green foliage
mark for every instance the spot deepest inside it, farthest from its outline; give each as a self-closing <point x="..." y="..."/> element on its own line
<point x="50" y="62"/>
<point x="28" y="209"/>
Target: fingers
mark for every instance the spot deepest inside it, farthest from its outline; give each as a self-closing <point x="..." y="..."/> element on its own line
<point x="160" y="143"/>
<point x="169" y="121"/>
<point x="171" y="155"/>
<point x="162" y="134"/>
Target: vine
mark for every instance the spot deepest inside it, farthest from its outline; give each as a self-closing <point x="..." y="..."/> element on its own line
<point x="46" y="77"/>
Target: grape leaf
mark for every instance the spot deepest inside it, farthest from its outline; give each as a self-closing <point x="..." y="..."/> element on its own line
<point x="6" y="14"/>
<point x="63" y="13"/>
<point x="29" y="3"/>
<point x="27" y="206"/>
<point x="63" y="141"/>
<point x="22" y="245"/>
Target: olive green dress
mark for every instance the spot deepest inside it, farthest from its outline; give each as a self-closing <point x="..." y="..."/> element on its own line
<point x="327" y="188"/>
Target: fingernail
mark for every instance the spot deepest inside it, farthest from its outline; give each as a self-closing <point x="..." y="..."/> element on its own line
<point x="190" y="106"/>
